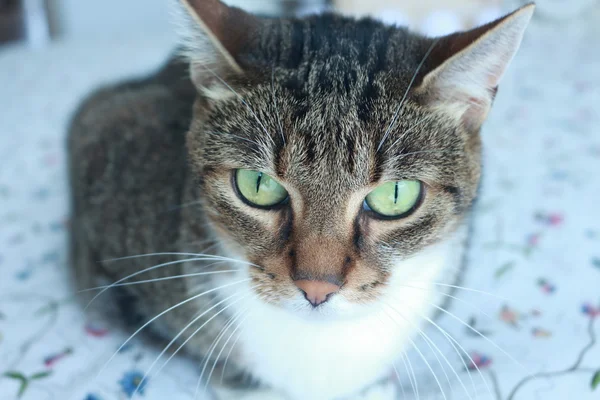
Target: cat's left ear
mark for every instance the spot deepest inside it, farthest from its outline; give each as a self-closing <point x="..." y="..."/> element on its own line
<point x="468" y="66"/>
<point x="214" y="36"/>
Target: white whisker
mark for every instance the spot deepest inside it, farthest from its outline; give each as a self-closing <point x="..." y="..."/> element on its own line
<point x="217" y="340"/>
<point x="412" y="128"/>
<point x="466" y="289"/>
<point x="212" y="246"/>
<point x="229" y="353"/>
<point x="399" y="381"/>
<point x="401" y="105"/>
<point x="157" y="267"/>
<point x="425" y="361"/>
<point x="216" y="243"/>
<point x="396" y="369"/>
<point x="225" y="344"/>
<point x="136" y="274"/>
<point x="205" y="360"/>
<point x="166" y="311"/>
<point x="235" y="342"/>
<point x="413" y="153"/>
<point x="167" y="278"/>
<point x="168" y="346"/>
<point x="481" y="335"/>
<point x="451" y="340"/>
<point x="411" y="375"/>
<point x="458" y="299"/>
<point x="431" y="343"/>
<point x="209" y="256"/>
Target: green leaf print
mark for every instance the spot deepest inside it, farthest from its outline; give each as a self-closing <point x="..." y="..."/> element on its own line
<point x="596" y="380"/>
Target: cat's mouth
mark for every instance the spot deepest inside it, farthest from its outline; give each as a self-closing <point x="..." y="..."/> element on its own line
<point x="335" y="306"/>
<point x="323" y="312"/>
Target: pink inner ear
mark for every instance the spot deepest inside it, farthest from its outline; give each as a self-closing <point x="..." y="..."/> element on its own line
<point x="476" y="113"/>
<point x="475" y="100"/>
<point x="454" y="43"/>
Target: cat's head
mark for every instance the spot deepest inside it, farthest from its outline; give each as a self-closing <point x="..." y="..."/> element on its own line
<point x="338" y="154"/>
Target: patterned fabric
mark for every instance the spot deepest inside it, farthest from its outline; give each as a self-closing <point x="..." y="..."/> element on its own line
<point x="533" y="298"/>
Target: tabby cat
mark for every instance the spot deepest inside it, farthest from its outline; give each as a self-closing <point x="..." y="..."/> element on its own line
<point x="296" y="191"/>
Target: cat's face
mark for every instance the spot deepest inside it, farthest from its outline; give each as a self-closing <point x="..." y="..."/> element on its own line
<point x="327" y="161"/>
<point x="329" y="157"/>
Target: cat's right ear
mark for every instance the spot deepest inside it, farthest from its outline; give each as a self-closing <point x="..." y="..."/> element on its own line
<point x="213" y="35"/>
<point x="465" y="68"/>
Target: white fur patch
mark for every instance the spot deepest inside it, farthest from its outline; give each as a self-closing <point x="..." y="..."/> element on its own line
<point x="327" y="358"/>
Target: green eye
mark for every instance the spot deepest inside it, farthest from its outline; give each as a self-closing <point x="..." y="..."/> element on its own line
<point x="394" y="199"/>
<point x="258" y="189"/>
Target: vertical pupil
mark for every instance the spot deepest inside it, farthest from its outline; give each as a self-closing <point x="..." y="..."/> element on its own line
<point x="258" y="179"/>
<point x="396" y="193"/>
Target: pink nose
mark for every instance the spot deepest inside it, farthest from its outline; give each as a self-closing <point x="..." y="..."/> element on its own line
<point x="317" y="292"/>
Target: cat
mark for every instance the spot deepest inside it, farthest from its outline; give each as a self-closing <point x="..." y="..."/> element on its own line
<point x="293" y="196"/>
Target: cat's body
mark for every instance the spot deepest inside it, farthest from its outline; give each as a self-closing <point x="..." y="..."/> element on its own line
<point x="313" y="108"/>
<point x="127" y="123"/>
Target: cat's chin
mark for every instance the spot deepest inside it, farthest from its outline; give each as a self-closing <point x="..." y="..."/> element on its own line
<point x="332" y="311"/>
<point x="317" y="315"/>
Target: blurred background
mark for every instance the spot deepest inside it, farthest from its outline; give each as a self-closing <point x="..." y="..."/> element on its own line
<point x="532" y="287"/>
<point x="40" y="21"/>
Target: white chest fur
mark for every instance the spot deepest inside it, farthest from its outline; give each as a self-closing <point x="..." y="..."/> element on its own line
<point x="324" y="360"/>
